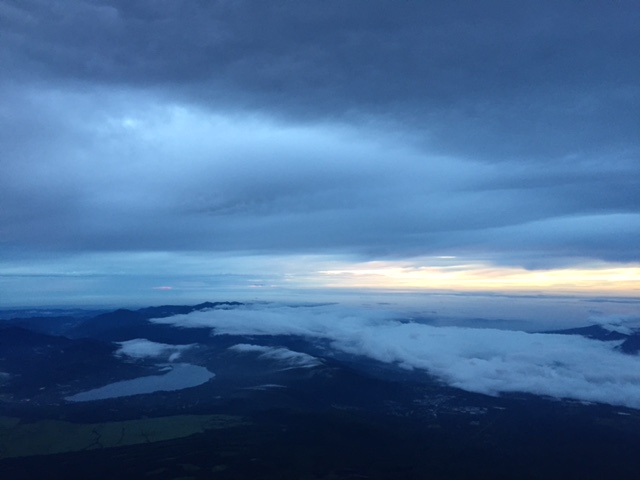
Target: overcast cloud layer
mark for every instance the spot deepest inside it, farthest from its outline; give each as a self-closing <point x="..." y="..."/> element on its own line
<point x="504" y="131"/>
<point x="486" y="361"/>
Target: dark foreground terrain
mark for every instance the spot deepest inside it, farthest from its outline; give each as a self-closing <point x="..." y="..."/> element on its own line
<point x="283" y="409"/>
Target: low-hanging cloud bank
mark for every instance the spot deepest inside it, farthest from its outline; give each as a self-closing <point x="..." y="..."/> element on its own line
<point x="486" y="361"/>
<point x="140" y="348"/>
<point x="290" y="358"/>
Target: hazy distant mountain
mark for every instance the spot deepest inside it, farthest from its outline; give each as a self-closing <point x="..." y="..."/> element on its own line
<point x="125" y="324"/>
<point x="630" y="341"/>
<point x="597" y="332"/>
<point x="631" y="344"/>
<point x="41" y="366"/>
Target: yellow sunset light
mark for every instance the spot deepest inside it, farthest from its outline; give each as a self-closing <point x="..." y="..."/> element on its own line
<point x="606" y="279"/>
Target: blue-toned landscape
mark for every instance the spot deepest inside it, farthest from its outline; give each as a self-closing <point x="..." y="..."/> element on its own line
<point x="320" y="239"/>
<point x="321" y="391"/>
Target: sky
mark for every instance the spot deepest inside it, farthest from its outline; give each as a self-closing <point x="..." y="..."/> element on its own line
<point x="165" y="151"/>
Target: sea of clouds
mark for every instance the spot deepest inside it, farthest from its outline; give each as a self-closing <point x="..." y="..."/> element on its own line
<point x="482" y="360"/>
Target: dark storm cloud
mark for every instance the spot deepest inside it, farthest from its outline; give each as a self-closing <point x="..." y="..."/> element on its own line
<point x="494" y="78"/>
<point x="379" y="128"/>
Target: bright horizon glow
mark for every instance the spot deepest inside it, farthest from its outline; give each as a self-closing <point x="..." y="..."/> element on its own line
<point x="166" y="277"/>
<point x="604" y="279"/>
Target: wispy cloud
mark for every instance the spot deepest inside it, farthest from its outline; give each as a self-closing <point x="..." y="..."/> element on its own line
<point x="280" y="354"/>
<point x="143" y="348"/>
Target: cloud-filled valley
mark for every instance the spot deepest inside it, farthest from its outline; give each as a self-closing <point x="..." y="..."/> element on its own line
<point x="482" y="360"/>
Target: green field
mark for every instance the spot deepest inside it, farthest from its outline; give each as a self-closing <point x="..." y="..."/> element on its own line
<point x="20" y="439"/>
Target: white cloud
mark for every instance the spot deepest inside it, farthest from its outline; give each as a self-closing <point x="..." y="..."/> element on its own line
<point x="143" y="348"/>
<point x="289" y="357"/>
<point x="624" y="324"/>
<point x="487" y="361"/>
